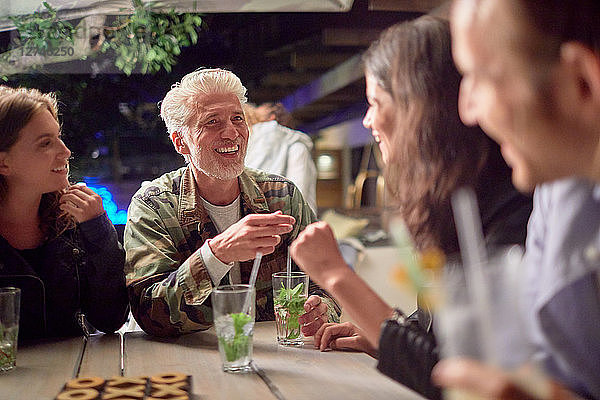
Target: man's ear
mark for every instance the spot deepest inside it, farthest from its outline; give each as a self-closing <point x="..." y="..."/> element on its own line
<point x="4" y="168"/>
<point x="583" y="73"/>
<point x="179" y="143"/>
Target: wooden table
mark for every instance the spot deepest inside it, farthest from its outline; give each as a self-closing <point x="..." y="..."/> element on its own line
<point x="281" y="372"/>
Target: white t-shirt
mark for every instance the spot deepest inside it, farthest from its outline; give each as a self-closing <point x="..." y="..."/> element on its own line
<point x="223" y="217"/>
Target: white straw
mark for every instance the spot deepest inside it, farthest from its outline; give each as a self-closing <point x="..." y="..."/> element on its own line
<point x="472" y="248"/>
<point x="252" y="281"/>
<point x="468" y="227"/>
<point x="289" y="273"/>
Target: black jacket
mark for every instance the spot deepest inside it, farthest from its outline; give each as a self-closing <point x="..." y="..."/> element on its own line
<point x="82" y="271"/>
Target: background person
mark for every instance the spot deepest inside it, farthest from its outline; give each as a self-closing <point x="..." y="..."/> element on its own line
<point x="56" y="242"/>
<point x="412" y="89"/>
<point x="275" y="147"/>
<point x="202" y="225"/>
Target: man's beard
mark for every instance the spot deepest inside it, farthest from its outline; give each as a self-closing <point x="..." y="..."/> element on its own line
<point x="211" y="165"/>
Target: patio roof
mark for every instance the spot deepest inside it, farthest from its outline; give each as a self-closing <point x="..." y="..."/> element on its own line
<point x="73" y="9"/>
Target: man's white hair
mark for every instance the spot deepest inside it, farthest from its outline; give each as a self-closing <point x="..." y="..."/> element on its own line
<point x="178" y="105"/>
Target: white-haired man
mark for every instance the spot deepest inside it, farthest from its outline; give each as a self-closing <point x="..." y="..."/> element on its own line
<point x="201" y="225"/>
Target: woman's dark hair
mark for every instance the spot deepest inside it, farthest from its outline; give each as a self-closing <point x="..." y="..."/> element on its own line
<point x="17" y="107"/>
<point x="434" y="153"/>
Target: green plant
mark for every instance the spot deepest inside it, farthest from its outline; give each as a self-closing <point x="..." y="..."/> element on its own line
<point x="42" y="30"/>
<point x="150" y="40"/>
<point x="289" y="305"/>
<point x="144" y="39"/>
<point x="8" y="342"/>
<point x="237" y="347"/>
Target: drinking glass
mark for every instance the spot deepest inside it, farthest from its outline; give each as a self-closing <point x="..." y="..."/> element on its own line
<point x="234" y="325"/>
<point x="480" y="318"/>
<point x="10" y="298"/>
<point x="289" y="294"/>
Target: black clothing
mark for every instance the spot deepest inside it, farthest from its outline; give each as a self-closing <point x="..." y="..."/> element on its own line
<point x="79" y="271"/>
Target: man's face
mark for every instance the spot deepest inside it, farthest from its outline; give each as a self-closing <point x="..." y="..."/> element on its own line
<point x="218" y="136"/>
<point x="511" y="96"/>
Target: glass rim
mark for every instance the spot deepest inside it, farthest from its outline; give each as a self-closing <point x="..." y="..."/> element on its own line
<point x="235" y="288"/>
<point x="294" y="274"/>
<point x="9" y="290"/>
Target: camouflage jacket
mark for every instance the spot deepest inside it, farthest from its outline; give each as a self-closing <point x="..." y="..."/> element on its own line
<point x="169" y="286"/>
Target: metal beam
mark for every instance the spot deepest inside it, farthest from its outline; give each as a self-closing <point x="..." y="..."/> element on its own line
<point x="287" y="78"/>
<point x="404" y="5"/>
<point x="316" y="60"/>
<point x="331" y="81"/>
<point x="348" y="36"/>
<point x="356" y="111"/>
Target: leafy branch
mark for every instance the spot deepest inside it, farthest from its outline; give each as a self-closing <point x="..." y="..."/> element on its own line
<point x="42" y="29"/>
<point x="144" y="39"/>
<point x="150" y="40"/>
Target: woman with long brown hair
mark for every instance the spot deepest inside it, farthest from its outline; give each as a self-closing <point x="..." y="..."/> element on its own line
<point x="412" y="91"/>
<point x="56" y="242"/>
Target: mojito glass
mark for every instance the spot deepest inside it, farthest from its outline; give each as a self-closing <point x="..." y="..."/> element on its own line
<point x="9" y="327"/>
<point x="289" y="295"/>
<point x="234" y="325"/>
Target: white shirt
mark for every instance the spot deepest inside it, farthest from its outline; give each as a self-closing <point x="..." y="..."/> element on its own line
<point x="223" y="217"/>
<point x="287" y="152"/>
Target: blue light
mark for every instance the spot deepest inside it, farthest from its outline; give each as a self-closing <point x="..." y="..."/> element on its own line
<point x="116" y="216"/>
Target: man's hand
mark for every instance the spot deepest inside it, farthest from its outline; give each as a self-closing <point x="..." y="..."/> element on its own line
<point x="316" y="252"/>
<point x="487" y="382"/>
<point x="81" y="202"/>
<point x="251" y="234"/>
<point x="314" y="317"/>
<point x="344" y="336"/>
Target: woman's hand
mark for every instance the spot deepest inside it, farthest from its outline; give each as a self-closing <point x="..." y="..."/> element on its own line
<point x="487" y="382"/>
<point x="343" y="336"/>
<point x="81" y="202"/>
<point x="315" y="250"/>
<point x="314" y="317"/>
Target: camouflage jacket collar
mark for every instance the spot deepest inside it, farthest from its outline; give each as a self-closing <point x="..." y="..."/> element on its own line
<point x="192" y="211"/>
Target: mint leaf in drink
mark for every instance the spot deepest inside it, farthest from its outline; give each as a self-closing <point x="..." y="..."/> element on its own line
<point x="289" y="305"/>
<point x="8" y="343"/>
<point x="236" y="346"/>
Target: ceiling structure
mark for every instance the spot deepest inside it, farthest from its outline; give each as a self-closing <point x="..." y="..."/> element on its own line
<point x="72" y="9"/>
<point x="311" y="62"/>
<point x="303" y="53"/>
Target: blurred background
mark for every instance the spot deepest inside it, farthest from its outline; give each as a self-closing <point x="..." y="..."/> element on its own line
<point x="302" y="53"/>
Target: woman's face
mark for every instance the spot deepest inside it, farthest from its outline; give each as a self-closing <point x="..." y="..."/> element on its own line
<point x="380" y="117"/>
<point x="39" y="160"/>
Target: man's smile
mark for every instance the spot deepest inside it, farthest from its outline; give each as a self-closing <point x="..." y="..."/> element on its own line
<point x="228" y="150"/>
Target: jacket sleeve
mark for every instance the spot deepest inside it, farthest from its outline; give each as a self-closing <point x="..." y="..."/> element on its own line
<point x="167" y="298"/>
<point x="105" y="301"/>
<point x="407" y="354"/>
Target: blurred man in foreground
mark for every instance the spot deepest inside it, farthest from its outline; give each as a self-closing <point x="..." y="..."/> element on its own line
<point x="531" y="80"/>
